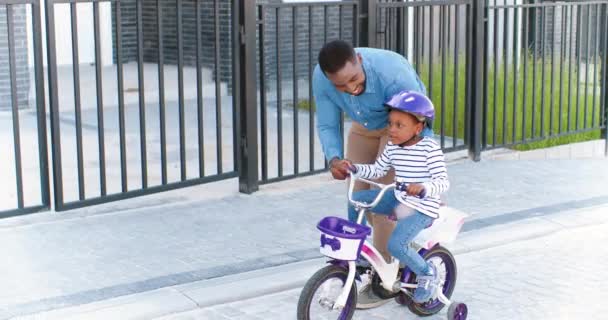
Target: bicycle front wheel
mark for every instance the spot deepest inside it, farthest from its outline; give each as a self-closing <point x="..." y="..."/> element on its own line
<point x="321" y="292"/>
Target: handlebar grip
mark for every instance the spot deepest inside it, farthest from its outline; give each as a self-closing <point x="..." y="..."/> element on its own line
<point x="422" y="194"/>
<point x="402" y="186"/>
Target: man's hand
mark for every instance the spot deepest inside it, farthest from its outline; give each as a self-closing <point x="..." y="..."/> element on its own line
<point x="339" y="168"/>
<point x="415" y="189"/>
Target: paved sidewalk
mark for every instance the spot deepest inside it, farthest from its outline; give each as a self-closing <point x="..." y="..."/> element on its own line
<point x="557" y="276"/>
<point x="59" y="260"/>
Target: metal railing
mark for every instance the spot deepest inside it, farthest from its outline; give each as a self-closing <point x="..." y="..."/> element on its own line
<point x="186" y="99"/>
<point x="150" y="136"/>
<point x="545" y="67"/>
<point x="289" y="37"/>
<point x="542" y="66"/>
<point x="433" y="37"/>
<point x="24" y="146"/>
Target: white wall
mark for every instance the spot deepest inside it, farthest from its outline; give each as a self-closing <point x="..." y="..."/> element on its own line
<point x="63" y="33"/>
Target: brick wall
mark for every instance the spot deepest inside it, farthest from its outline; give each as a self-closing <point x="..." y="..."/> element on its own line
<point x="21" y="58"/>
<point x="285" y="40"/>
<point x="320" y="34"/>
<point x="169" y="25"/>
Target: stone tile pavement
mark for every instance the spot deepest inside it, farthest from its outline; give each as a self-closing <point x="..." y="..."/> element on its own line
<point x="56" y="260"/>
<point x="557" y="276"/>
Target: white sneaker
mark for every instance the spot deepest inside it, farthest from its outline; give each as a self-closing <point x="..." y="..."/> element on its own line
<point x="427" y="285"/>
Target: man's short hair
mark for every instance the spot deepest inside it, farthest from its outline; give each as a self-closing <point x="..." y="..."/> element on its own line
<point x="334" y="55"/>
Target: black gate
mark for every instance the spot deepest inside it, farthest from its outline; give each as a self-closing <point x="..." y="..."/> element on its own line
<point x="129" y="141"/>
<point x="290" y="36"/>
<point x="437" y="39"/>
<point x="23" y="152"/>
<point x="544" y="70"/>
<point x="193" y="91"/>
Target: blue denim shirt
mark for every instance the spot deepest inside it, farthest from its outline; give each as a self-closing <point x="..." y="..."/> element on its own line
<point x="386" y="74"/>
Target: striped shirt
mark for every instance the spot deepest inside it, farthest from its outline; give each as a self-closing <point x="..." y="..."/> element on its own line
<point x="421" y="163"/>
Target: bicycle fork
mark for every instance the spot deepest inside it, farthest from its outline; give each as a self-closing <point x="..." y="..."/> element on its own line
<point x="385" y="271"/>
<point x="350" y="279"/>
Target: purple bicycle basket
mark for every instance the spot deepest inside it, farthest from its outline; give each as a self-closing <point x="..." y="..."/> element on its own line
<point x="342" y="228"/>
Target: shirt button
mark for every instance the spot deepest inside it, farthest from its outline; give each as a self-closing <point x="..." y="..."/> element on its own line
<point x="365" y="124"/>
<point x="358" y="112"/>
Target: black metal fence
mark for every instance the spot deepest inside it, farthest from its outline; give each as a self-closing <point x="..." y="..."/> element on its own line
<point x="290" y="36"/>
<point x="434" y="37"/>
<point x="544" y="70"/>
<point x="201" y="90"/>
<point x="147" y="146"/>
<point x="25" y="153"/>
<point x="489" y="66"/>
<point x="543" y="65"/>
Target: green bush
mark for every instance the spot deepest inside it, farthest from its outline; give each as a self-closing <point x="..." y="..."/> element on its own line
<point x="508" y="113"/>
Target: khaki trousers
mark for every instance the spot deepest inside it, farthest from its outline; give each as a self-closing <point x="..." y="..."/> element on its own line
<point x="364" y="146"/>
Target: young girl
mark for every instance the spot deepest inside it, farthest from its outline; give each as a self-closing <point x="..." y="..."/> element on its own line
<point x="419" y="165"/>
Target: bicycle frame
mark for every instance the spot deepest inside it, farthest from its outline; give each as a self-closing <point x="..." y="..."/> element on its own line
<point x="386" y="271"/>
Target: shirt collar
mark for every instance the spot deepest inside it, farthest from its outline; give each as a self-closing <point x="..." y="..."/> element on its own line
<point x="370" y="77"/>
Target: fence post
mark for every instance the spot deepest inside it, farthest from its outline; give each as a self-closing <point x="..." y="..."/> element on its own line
<point x="604" y="92"/>
<point x="245" y="98"/>
<point x="40" y="106"/>
<point x="475" y="73"/>
<point x="400" y="27"/>
<point x="54" y="105"/>
<point x="367" y="36"/>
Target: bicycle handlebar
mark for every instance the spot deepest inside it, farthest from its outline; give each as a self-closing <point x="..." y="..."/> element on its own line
<point x="383" y="188"/>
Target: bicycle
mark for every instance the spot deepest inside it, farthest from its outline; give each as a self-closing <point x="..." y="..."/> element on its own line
<point x="344" y="242"/>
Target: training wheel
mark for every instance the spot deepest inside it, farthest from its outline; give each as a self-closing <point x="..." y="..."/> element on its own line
<point x="457" y="311"/>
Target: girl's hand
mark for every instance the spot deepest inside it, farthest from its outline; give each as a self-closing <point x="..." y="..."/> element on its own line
<point x="414" y="189"/>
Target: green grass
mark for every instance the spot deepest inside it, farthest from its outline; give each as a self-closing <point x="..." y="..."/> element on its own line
<point x="509" y="113"/>
<point x="537" y="121"/>
<point x="306" y="105"/>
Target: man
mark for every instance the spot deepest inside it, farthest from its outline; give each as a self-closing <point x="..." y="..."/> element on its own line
<point x="358" y="82"/>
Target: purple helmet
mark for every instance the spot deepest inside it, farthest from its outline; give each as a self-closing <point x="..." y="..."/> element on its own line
<point x="414" y="103"/>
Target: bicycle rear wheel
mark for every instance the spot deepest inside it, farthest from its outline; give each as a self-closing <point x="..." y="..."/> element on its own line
<point x="446" y="266"/>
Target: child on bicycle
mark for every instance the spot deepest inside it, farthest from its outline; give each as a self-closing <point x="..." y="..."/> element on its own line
<point x="420" y="171"/>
